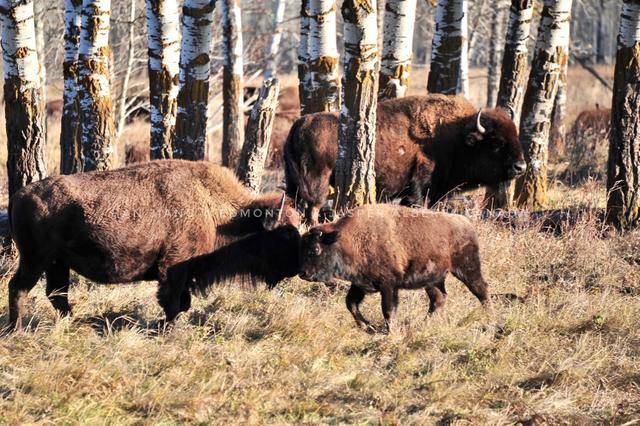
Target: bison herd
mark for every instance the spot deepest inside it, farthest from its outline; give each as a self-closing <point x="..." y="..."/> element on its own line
<point x="190" y="225"/>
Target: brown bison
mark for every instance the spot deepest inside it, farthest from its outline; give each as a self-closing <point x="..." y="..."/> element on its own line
<point x="426" y="147"/>
<point x="591" y="125"/>
<point x="132" y="224"/>
<point x="384" y="248"/>
<point x="137" y="152"/>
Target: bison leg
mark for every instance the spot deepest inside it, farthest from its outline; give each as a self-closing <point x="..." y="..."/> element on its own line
<point x="185" y="300"/>
<point x="21" y="283"/>
<point x="312" y="214"/>
<point x="355" y="296"/>
<point x="437" y="296"/>
<point x="58" y="287"/>
<point x="389" y="301"/>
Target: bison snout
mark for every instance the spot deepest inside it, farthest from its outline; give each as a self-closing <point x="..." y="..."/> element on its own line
<point x="519" y="168"/>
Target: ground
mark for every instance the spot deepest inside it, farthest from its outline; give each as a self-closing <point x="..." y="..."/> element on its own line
<point x="560" y="345"/>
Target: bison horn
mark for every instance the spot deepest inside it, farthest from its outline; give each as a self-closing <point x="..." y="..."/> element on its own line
<point x="512" y="112"/>
<point x="281" y="206"/>
<point x="481" y="129"/>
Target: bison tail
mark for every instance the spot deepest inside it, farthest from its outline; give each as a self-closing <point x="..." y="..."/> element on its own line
<point x="269" y="256"/>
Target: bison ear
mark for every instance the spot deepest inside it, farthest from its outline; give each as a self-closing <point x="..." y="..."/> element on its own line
<point x="329" y="238"/>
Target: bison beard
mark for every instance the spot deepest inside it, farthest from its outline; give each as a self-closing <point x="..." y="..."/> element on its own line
<point x="426" y="146"/>
<point x="135" y="223"/>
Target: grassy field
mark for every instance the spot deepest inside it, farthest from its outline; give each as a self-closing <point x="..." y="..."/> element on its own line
<point x="565" y="350"/>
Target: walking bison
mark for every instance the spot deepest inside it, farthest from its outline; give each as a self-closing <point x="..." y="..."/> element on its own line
<point x="384" y="248"/>
<point x="426" y="146"/>
<point x="133" y="224"/>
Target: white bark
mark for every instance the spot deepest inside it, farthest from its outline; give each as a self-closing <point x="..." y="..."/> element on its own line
<point x="551" y="54"/>
<point x="122" y="107"/>
<point x="195" y="62"/>
<point x="233" y="102"/>
<point x="39" y="14"/>
<point x="355" y="164"/>
<point x="24" y="109"/>
<point x="70" y="145"/>
<point x="163" y="24"/>
<point x="324" y="86"/>
<point x="95" y="98"/>
<point x="274" y="46"/>
<point x="304" y="77"/>
<point x="449" y="73"/>
<point x="397" y="48"/>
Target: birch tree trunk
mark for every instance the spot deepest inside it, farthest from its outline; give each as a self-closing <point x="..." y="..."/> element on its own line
<point x="232" y="91"/>
<point x="623" y="174"/>
<point x="304" y="77"/>
<point x="380" y="21"/>
<point x="274" y="46"/>
<point x="190" y="135"/>
<point x="122" y="107"/>
<point x="559" y="115"/>
<point x="24" y="108"/>
<point x="514" y="61"/>
<point x="397" y="50"/>
<point x="70" y="145"/>
<point x="550" y="56"/>
<point x="324" y="94"/>
<point x="449" y="73"/>
<point x="496" y="44"/>
<point x="163" y="24"/>
<point x="39" y="14"/>
<point x="355" y="165"/>
<point x="96" y="116"/>
<point x="258" y="139"/>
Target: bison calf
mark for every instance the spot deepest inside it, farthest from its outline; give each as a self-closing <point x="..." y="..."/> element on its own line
<point x="385" y="248"/>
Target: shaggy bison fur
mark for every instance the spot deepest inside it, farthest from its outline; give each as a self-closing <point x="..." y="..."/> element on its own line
<point x="426" y="146"/>
<point x="384" y="248"/>
<point x="133" y="224"/>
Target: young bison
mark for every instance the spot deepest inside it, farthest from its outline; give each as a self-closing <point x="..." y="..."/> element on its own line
<point x="384" y="248"/>
<point x="426" y="146"/>
<point x="132" y="224"/>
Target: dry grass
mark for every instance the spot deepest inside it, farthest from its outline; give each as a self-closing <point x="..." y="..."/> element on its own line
<point x="567" y="351"/>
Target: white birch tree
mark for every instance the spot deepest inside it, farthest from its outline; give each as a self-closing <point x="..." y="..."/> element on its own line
<point x="397" y="48"/>
<point x="122" y="105"/>
<point x="24" y="106"/>
<point x="496" y="44"/>
<point x="449" y="72"/>
<point x="355" y="164"/>
<point x="274" y="46"/>
<point x="190" y="135"/>
<point x="550" y="56"/>
<point x="304" y="77"/>
<point x="324" y="85"/>
<point x="70" y="144"/>
<point x="163" y="26"/>
<point x="96" y="115"/>
<point x="623" y="172"/>
<point x="232" y="85"/>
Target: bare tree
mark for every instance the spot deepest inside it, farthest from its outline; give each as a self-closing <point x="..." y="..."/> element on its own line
<point x="557" y="135"/>
<point x="232" y="86"/>
<point x="382" y="4"/>
<point x="190" y="135"/>
<point x="355" y="165"/>
<point x="122" y="107"/>
<point x="258" y="138"/>
<point x="449" y="72"/>
<point x="96" y="116"/>
<point x="496" y="44"/>
<point x="397" y="50"/>
<point x="70" y="146"/>
<point x="514" y="62"/>
<point x="324" y="87"/>
<point x="623" y="186"/>
<point x="304" y="76"/>
<point x="24" y="107"/>
<point x="274" y="46"/>
<point x="550" y="56"/>
<point x="163" y="24"/>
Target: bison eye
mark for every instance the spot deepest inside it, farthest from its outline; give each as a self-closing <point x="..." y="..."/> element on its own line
<point x="316" y="251"/>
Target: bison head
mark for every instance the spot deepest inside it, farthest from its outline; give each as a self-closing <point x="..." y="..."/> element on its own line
<point x="492" y="149"/>
<point x="318" y="256"/>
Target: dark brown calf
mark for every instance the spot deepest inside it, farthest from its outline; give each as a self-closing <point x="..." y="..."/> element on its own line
<point x="384" y="248"/>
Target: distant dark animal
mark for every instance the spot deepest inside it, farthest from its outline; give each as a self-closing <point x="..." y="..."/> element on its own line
<point x="426" y="146"/>
<point x="384" y="248"/>
<point x="137" y="152"/>
<point x="591" y="126"/>
<point x="54" y="108"/>
<point x="133" y="224"/>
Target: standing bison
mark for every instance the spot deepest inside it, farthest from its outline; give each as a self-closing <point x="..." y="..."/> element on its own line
<point x="426" y="146"/>
<point x="384" y="248"/>
<point x="133" y="224"/>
